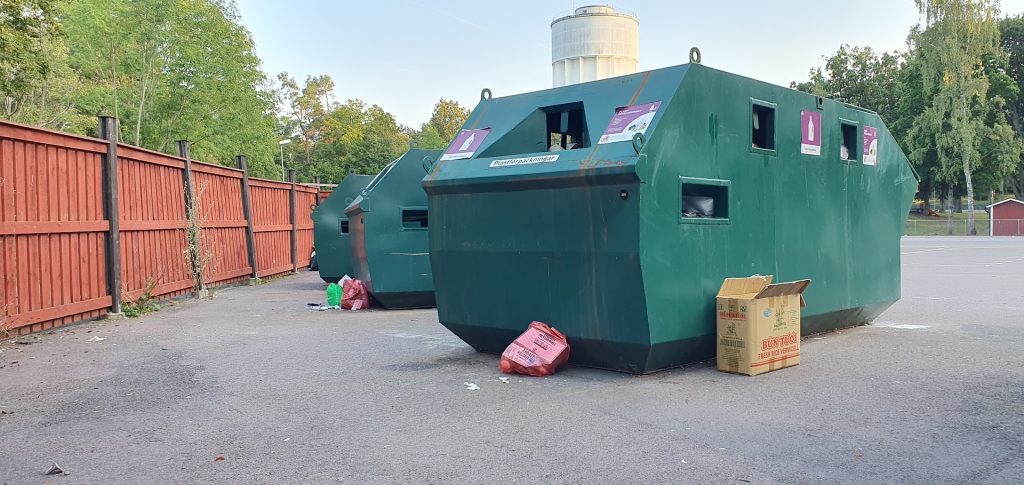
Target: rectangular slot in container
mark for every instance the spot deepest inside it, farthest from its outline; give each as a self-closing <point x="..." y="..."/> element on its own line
<point x="342" y="226"/>
<point x="850" y="145"/>
<point x="414" y="219"/>
<point x="703" y="201"/>
<point x="762" y="128"/>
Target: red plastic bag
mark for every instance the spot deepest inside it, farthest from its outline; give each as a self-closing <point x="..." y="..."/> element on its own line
<point x="539" y="351"/>
<point x="354" y="295"/>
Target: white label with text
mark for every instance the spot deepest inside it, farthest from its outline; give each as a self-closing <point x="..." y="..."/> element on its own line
<point x="510" y="162"/>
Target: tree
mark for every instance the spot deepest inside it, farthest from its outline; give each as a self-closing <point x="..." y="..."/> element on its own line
<point x="428" y="138"/>
<point x="445" y="122"/>
<point x="447" y="118"/>
<point x="381" y="142"/>
<point x="912" y="99"/>
<point x="858" y="76"/>
<point x="333" y="138"/>
<point x="345" y="129"/>
<point x="214" y="92"/>
<point x="115" y="47"/>
<point x="174" y="69"/>
<point x="36" y="84"/>
<point x="1008" y="85"/>
<point x="308" y="107"/>
<point x="24" y="24"/>
<point x="958" y="35"/>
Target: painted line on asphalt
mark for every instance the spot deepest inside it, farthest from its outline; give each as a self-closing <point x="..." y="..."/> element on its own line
<point x="931" y="250"/>
<point x="900" y="326"/>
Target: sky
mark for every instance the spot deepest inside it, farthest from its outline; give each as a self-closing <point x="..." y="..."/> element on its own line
<point x="404" y="55"/>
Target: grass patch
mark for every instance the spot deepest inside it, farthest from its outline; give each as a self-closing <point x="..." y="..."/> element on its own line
<point x="144" y="304"/>
<point x="919" y="225"/>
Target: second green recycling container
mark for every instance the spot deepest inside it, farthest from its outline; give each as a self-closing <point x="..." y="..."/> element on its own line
<point x="331" y="231"/>
<point x="388" y="231"/>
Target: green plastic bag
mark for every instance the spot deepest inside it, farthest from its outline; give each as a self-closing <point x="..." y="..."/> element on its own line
<point x="333" y="294"/>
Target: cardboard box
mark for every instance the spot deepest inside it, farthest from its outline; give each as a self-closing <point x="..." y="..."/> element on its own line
<point x="759" y="324"/>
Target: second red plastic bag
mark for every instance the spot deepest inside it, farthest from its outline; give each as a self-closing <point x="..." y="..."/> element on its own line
<point x="354" y="295"/>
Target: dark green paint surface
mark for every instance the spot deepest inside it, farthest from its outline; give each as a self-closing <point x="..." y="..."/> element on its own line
<point x="332" y="248"/>
<point x="594" y="243"/>
<point x="387" y="255"/>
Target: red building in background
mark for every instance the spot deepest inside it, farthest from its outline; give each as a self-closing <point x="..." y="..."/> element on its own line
<point x="1007" y="218"/>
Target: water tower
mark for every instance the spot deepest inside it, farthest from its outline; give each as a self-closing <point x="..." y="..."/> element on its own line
<point x="594" y="42"/>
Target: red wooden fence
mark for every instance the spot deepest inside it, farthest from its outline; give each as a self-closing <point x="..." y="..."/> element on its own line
<point x="323" y="194"/>
<point x="54" y="231"/>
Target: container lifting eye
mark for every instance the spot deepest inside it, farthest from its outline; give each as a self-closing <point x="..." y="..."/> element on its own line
<point x="638" y="142"/>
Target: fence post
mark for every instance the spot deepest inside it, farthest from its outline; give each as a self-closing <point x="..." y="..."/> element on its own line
<point x="108" y="131"/>
<point x="192" y="223"/>
<point x="292" y="218"/>
<point x="316" y="182"/>
<point x="250" y="235"/>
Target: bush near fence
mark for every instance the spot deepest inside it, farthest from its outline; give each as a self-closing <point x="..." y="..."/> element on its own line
<point x="55" y="226"/>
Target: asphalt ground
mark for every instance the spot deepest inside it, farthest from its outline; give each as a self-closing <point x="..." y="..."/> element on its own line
<point x="251" y="387"/>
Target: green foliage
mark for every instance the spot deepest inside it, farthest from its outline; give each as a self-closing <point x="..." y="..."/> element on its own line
<point x="447" y="118"/>
<point x="859" y="76"/>
<point x="24" y="26"/>
<point x="959" y="36"/>
<point x="168" y="69"/>
<point x="187" y="69"/>
<point x="144" y="304"/>
<point x="430" y="139"/>
<point x="1008" y="86"/>
<point x="309" y="108"/>
<point x="332" y="139"/>
<point x="36" y="84"/>
<point x="445" y="122"/>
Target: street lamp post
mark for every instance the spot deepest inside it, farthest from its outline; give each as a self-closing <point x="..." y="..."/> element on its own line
<point x="282" y="143"/>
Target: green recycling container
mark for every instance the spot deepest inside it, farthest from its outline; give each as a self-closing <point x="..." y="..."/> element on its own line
<point x="330" y="229"/>
<point x="389" y="234"/>
<point x="612" y="210"/>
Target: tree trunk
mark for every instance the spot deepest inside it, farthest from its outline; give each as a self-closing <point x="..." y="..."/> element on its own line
<point x="42" y="105"/>
<point x="142" y="99"/>
<point x="958" y="205"/>
<point x="949" y="210"/>
<point x="971" y="230"/>
<point x="1017" y="183"/>
<point x="113" y="84"/>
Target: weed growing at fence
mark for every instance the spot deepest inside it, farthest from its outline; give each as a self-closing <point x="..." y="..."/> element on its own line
<point x="195" y="256"/>
<point x="146" y="303"/>
<point x="5" y="328"/>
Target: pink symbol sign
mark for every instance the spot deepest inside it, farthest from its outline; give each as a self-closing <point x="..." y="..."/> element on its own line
<point x="810" y="132"/>
<point x="870" y="145"/>
<point x="465" y="144"/>
<point x="628" y="121"/>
